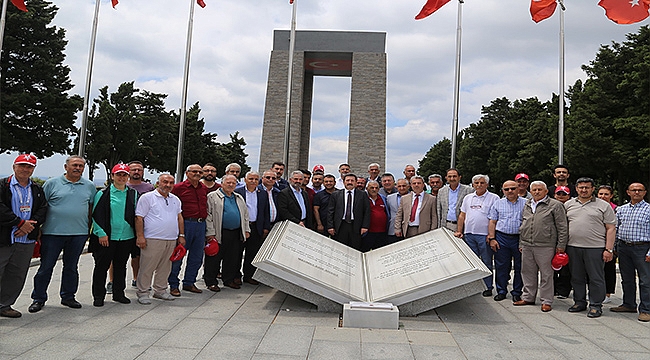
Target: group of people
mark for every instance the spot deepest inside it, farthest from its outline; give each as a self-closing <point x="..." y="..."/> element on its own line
<point x="526" y="227"/>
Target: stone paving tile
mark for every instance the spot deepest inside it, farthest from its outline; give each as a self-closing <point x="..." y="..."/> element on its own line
<point x="276" y="357"/>
<point x="483" y="345"/>
<point x="414" y="323"/>
<point x="190" y="333"/>
<point x="286" y="340"/>
<point x="576" y="347"/>
<point x="430" y="338"/>
<point x="383" y="336"/>
<point x="310" y="318"/>
<point x="13" y="342"/>
<point x="602" y="335"/>
<point x="544" y="353"/>
<point x="231" y="346"/>
<point x="631" y="355"/>
<point x="128" y="343"/>
<point x="337" y="334"/>
<point x="327" y="349"/>
<point x="376" y="351"/>
<point x="425" y="352"/>
<point x="547" y="324"/>
<point x="165" y="352"/>
<point x="58" y="348"/>
<point x="215" y="308"/>
<point x="164" y="315"/>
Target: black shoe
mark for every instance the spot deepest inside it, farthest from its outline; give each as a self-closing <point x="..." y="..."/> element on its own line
<point x="577" y="308"/>
<point x="71" y="303"/>
<point x="98" y="302"/>
<point x="516" y="298"/>
<point x="36" y="306"/>
<point x="499" y="297"/>
<point x="487" y="293"/>
<point x="594" y="313"/>
<point x="122" y="300"/>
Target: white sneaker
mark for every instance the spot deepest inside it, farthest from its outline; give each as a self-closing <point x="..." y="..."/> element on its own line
<point x="607" y="300"/>
<point x="163" y="296"/>
<point x="144" y="300"/>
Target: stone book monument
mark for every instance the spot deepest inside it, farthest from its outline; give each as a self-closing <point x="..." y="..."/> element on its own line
<point x="416" y="274"/>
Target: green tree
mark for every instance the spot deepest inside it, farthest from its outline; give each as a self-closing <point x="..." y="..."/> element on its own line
<point x="37" y="113"/>
<point x="437" y="159"/>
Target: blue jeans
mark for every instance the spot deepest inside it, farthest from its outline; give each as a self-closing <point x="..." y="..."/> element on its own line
<point x="51" y="247"/>
<point x="479" y="246"/>
<point x="503" y="258"/>
<point x="194" y="243"/>
<point x="631" y="258"/>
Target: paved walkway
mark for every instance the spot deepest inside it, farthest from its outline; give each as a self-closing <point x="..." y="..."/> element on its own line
<point x="257" y="322"/>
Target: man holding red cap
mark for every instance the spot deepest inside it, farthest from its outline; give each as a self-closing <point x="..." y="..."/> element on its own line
<point x="22" y="211"/>
<point x="113" y="236"/>
<point x="523" y="181"/>
<point x="543" y="232"/>
<point x="70" y="199"/>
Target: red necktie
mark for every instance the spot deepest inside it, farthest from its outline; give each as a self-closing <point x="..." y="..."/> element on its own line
<point x="414" y="209"/>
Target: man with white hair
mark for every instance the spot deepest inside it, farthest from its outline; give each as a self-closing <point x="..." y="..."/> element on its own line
<point x="543" y="232"/>
<point x="373" y="174"/>
<point x="473" y="223"/>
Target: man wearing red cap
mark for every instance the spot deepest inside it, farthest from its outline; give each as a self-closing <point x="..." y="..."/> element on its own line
<point x="70" y="199"/>
<point x="22" y="211"/>
<point x="113" y="236"/>
<point x="543" y="232"/>
<point x="523" y="181"/>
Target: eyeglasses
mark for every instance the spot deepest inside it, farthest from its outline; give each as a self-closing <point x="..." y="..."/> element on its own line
<point x="510" y="189"/>
<point x="270" y="177"/>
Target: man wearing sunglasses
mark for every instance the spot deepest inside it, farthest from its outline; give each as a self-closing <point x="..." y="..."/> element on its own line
<point x="503" y="235"/>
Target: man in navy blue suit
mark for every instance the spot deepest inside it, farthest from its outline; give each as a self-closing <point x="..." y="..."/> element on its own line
<point x="293" y="202"/>
<point x="257" y="204"/>
<point x="349" y="214"/>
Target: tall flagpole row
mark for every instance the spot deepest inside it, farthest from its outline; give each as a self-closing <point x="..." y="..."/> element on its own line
<point x="287" y="113"/>
<point x="3" y="20"/>
<point x="89" y="74"/>
<point x="560" y="125"/>
<point x="186" y="75"/>
<point x="454" y="126"/>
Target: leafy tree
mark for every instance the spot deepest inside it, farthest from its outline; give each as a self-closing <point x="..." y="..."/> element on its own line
<point x="437" y="159"/>
<point x="37" y="113"/>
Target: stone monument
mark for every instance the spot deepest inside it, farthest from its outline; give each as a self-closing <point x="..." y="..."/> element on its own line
<point x="359" y="55"/>
<point x="416" y="274"/>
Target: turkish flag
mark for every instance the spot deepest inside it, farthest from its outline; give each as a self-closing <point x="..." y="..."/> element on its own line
<point x="20" y="4"/>
<point x="430" y="7"/>
<point x="114" y="2"/>
<point x="201" y="3"/>
<point x="542" y="9"/>
<point x="625" y="11"/>
<point x="290" y="1"/>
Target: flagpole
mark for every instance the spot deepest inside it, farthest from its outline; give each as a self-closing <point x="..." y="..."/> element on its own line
<point x="186" y="75"/>
<point x="454" y="127"/>
<point x="89" y="74"/>
<point x="287" y="113"/>
<point x="560" y="125"/>
<point x="3" y="20"/>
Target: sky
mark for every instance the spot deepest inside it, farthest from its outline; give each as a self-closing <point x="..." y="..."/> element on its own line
<point x="504" y="54"/>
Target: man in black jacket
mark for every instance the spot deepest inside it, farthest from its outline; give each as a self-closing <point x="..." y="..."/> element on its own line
<point x="22" y="211"/>
<point x="293" y="202"/>
<point x="349" y="214"/>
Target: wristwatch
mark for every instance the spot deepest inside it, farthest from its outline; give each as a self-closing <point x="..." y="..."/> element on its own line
<point x="181" y="235"/>
<point x="611" y="251"/>
<point x="490" y="239"/>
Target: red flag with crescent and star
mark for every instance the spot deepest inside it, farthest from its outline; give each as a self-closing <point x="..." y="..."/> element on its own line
<point x="201" y="3"/>
<point x="114" y="3"/>
<point x="625" y="11"/>
<point x="542" y="9"/>
<point x="430" y="7"/>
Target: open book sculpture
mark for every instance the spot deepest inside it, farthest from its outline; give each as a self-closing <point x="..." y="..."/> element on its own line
<point x="417" y="274"/>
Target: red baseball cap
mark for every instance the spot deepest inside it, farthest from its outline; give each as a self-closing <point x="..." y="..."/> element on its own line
<point x="318" y="167"/>
<point x="564" y="189"/>
<point x="120" y="168"/>
<point x="559" y="260"/>
<point x="27" y="159"/>
<point x="178" y="253"/>
<point x="522" y="176"/>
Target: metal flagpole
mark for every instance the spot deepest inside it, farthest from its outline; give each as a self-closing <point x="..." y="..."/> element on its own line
<point x="287" y="114"/>
<point x="89" y="74"/>
<point x="560" y="125"/>
<point x="3" y="20"/>
<point x="186" y="75"/>
<point x="454" y="126"/>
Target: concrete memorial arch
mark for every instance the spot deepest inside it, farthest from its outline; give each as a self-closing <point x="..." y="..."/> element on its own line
<point x="359" y="55"/>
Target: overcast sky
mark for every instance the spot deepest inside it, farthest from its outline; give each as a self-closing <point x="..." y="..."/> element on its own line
<point x="504" y="53"/>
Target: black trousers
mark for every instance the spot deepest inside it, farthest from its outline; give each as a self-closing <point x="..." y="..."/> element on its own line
<point x="347" y="236"/>
<point x="372" y="240"/>
<point x="251" y="248"/>
<point x="117" y="252"/>
<point x="231" y="256"/>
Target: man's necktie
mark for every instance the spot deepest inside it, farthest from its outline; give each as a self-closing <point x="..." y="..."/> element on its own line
<point x="348" y="208"/>
<point x="414" y="209"/>
<point x="272" y="209"/>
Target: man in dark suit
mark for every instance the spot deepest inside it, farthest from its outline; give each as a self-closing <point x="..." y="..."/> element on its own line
<point x="293" y="202"/>
<point x="256" y="203"/>
<point x="349" y="214"/>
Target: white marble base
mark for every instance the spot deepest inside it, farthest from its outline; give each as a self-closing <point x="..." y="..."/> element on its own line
<point x="368" y="318"/>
